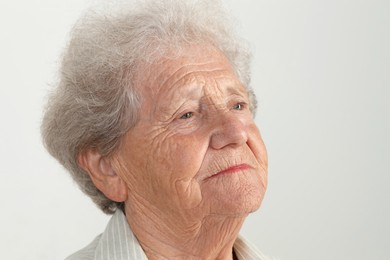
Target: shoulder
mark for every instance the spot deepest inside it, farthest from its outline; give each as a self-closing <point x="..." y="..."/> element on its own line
<point x="87" y="253"/>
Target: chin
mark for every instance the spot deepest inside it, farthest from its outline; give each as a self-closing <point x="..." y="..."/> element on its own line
<point x="239" y="199"/>
<point x="243" y="204"/>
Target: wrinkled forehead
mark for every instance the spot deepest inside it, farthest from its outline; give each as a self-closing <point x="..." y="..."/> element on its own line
<point x="196" y="65"/>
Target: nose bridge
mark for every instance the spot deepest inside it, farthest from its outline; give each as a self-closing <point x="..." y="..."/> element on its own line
<point x="228" y="130"/>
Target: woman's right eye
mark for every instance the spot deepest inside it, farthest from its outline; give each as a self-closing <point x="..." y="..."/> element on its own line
<point x="187" y="115"/>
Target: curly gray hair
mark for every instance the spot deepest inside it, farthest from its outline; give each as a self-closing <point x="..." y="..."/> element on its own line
<point x="95" y="103"/>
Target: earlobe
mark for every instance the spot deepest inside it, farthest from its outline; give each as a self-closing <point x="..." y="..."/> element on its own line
<point x="103" y="175"/>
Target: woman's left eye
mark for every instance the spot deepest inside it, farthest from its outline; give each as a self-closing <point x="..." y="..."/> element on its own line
<point x="238" y="106"/>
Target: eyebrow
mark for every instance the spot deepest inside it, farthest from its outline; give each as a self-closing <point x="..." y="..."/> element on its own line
<point x="189" y="87"/>
<point x="177" y="96"/>
<point x="234" y="90"/>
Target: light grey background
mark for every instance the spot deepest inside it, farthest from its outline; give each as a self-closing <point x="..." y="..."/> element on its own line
<point x="321" y="74"/>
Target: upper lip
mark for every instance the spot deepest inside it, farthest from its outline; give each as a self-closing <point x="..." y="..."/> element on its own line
<point x="231" y="169"/>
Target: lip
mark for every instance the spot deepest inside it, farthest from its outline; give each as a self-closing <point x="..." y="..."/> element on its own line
<point x="232" y="169"/>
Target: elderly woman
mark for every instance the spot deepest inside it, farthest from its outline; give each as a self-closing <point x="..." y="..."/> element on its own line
<point x="153" y="118"/>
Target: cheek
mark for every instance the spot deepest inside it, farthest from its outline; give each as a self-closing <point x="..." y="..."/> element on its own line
<point x="257" y="146"/>
<point x="178" y="156"/>
<point x="174" y="161"/>
<point x="132" y="164"/>
<point x="259" y="150"/>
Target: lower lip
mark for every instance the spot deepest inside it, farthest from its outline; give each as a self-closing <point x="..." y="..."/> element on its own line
<point x="234" y="169"/>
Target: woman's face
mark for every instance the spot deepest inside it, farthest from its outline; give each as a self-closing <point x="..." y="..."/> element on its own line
<point x="196" y="150"/>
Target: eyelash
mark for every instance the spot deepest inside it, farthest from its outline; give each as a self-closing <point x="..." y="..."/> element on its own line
<point x="187" y="115"/>
<point x="238" y="106"/>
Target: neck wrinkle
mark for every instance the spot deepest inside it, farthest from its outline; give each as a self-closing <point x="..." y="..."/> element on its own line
<point x="212" y="237"/>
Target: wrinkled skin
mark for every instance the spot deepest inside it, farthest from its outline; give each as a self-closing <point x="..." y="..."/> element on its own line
<point x="194" y="122"/>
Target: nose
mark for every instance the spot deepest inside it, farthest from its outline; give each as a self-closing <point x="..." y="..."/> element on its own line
<point x="228" y="130"/>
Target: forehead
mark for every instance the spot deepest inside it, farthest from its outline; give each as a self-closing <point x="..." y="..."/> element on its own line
<point x="197" y="65"/>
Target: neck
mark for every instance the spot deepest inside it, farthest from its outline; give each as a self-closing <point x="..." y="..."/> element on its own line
<point x="169" y="237"/>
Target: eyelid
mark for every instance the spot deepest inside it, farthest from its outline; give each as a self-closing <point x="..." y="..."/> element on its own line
<point x="244" y="105"/>
<point x="241" y="104"/>
<point x="185" y="115"/>
<point x="185" y="108"/>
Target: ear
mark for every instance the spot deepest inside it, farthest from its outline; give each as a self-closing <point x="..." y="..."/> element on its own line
<point x="103" y="175"/>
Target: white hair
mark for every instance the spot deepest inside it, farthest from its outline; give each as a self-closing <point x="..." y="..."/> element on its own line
<point x="95" y="103"/>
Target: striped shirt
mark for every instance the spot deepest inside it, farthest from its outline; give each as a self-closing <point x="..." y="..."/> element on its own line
<point x="119" y="243"/>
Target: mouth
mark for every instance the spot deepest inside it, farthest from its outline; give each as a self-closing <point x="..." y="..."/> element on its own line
<point x="232" y="169"/>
